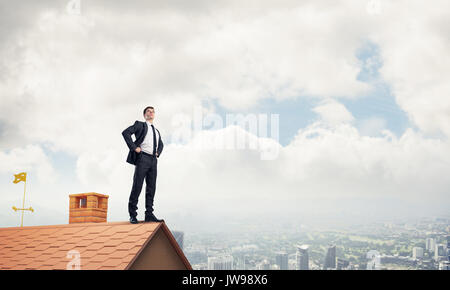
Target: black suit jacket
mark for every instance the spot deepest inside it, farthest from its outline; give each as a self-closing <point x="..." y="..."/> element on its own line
<point x="139" y="129"/>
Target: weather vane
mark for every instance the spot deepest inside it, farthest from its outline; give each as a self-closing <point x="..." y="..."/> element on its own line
<point x="18" y="178"/>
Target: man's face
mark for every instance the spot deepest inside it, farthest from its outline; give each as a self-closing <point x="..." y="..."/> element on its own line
<point x="149" y="114"/>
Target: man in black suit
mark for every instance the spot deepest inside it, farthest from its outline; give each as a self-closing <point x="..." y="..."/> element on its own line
<point x="144" y="154"/>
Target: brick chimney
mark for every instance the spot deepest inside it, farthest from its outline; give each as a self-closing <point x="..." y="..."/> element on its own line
<point x="90" y="207"/>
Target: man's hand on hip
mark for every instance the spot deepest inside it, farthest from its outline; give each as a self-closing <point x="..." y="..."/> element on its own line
<point x="138" y="149"/>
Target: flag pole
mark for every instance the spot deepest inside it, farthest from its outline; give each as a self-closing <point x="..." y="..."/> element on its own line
<point x="23" y="203"/>
<point x="18" y="178"/>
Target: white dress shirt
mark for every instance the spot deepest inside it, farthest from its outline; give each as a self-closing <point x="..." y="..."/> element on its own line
<point x="147" y="144"/>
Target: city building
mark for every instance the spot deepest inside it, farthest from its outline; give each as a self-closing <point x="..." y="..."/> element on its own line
<point x="302" y="257"/>
<point x="430" y="244"/>
<point x="417" y="252"/>
<point x="405" y="262"/>
<point x="264" y="265"/>
<point x="444" y="265"/>
<point x="200" y="266"/>
<point x="281" y="259"/>
<point x="292" y="263"/>
<point x="179" y="237"/>
<point x="448" y="248"/>
<point x="342" y="264"/>
<point x="439" y="252"/>
<point x="224" y="262"/>
<point x="330" y="258"/>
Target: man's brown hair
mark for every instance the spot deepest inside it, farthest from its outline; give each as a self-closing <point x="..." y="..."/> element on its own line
<point x="149" y="107"/>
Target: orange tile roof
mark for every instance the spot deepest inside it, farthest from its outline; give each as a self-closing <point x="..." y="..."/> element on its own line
<point x="113" y="245"/>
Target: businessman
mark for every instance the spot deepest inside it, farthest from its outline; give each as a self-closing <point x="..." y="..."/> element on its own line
<point x="144" y="154"/>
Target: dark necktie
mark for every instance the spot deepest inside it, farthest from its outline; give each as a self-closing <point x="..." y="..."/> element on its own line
<point x="154" y="140"/>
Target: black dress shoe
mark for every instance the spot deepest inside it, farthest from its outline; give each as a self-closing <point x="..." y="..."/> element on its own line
<point x="133" y="220"/>
<point x="152" y="218"/>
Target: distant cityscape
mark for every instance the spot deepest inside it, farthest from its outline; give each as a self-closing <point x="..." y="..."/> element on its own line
<point x="419" y="245"/>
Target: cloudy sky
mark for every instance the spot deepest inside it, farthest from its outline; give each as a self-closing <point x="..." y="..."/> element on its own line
<point x="361" y="90"/>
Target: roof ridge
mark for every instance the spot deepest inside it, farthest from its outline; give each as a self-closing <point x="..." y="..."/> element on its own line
<point x="70" y="225"/>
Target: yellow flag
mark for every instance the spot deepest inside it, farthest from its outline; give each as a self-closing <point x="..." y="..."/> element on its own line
<point x="20" y="177"/>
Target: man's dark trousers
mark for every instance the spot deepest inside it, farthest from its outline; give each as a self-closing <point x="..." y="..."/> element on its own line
<point x="145" y="169"/>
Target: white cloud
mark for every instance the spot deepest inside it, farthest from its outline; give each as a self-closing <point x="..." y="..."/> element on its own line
<point x="372" y="126"/>
<point x="333" y="112"/>
<point x="31" y="159"/>
<point x="99" y="66"/>
<point x="413" y="44"/>
<point x="321" y="165"/>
